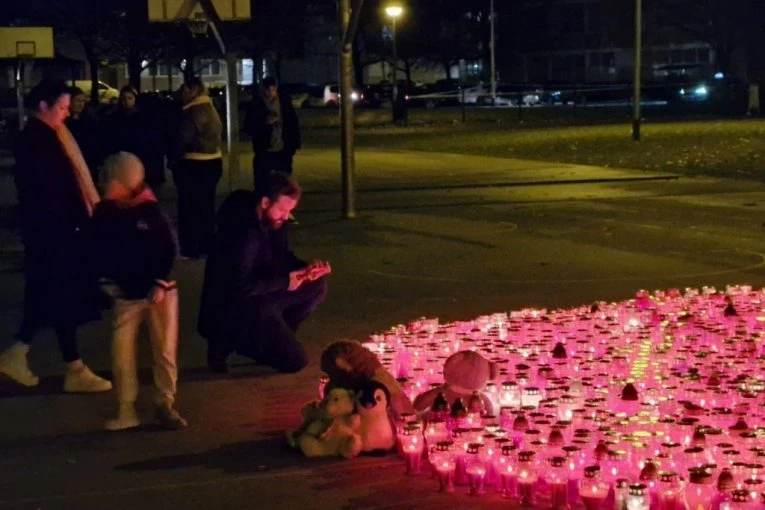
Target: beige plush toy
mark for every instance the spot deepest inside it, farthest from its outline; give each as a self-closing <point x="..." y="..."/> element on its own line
<point x="351" y="365"/>
<point x="465" y="372"/>
<point x="330" y="427"/>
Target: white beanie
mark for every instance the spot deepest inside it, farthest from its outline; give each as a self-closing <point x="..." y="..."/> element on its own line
<point x="126" y="168"/>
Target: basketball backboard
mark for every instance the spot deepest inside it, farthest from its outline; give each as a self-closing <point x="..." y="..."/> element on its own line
<point x="26" y="42"/>
<point x="184" y="10"/>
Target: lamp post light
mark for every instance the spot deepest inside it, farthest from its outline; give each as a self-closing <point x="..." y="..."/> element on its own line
<point x="394" y="11"/>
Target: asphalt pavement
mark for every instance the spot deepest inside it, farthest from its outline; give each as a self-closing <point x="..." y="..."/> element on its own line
<point x="436" y="234"/>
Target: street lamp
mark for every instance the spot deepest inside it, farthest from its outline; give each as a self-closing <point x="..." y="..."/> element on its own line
<point x="394" y="11"/>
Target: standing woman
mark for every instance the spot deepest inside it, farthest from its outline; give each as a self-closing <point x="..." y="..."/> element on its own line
<point x="133" y="129"/>
<point x="198" y="169"/>
<point x="56" y="200"/>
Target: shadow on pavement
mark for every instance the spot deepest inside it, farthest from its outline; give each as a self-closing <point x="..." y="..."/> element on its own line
<point x="268" y="454"/>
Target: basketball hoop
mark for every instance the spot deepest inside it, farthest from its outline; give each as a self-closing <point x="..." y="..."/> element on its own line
<point x="198" y="25"/>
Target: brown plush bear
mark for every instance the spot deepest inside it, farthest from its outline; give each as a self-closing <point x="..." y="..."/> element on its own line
<point x="330" y="427"/>
<point x="351" y="365"/>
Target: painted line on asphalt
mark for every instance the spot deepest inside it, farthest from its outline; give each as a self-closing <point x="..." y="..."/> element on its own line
<point x="387" y="274"/>
<point x="519" y="184"/>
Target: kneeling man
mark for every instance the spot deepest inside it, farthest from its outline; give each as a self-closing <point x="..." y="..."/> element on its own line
<point x="256" y="291"/>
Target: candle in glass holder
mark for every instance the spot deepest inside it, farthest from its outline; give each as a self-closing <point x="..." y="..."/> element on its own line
<point x="700" y="489"/>
<point x="557" y="479"/>
<point x="670" y="490"/>
<point x="531" y="396"/>
<point x="436" y="431"/>
<point x="592" y="489"/>
<point x="526" y="477"/>
<point x="638" y="498"/>
<point x="412" y="446"/>
<point x="443" y="463"/>
<point x="740" y="499"/>
<point x="510" y="395"/>
<point x="440" y="408"/>
<point x="475" y="468"/>
<point x="505" y="467"/>
<point x="621" y="491"/>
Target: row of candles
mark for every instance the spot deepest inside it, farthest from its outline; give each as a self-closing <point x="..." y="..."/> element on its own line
<point x="654" y="402"/>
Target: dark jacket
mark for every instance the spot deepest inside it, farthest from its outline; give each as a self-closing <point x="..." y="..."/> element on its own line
<point x="247" y="262"/>
<point x="200" y="131"/>
<point x="132" y="246"/>
<point x="256" y="126"/>
<point x="53" y="218"/>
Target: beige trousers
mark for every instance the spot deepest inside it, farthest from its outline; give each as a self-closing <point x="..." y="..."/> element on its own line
<point x="163" y="332"/>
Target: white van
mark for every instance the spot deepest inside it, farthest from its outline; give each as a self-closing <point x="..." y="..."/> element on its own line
<point x="106" y="93"/>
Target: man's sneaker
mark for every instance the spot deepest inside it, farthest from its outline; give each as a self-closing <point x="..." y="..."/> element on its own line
<point x="80" y="379"/>
<point x="169" y="418"/>
<point x="217" y="362"/>
<point x="13" y="363"/>
<point x="127" y="418"/>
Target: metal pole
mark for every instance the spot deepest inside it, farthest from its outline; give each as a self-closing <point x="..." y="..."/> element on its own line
<point x="232" y="119"/>
<point x="20" y="91"/>
<point x="638" y="66"/>
<point x="493" y="55"/>
<point x="348" y="162"/>
<point x="395" y="61"/>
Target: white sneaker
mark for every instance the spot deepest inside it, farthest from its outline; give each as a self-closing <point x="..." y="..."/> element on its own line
<point x="80" y="379"/>
<point x="127" y="418"/>
<point x="13" y="363"/>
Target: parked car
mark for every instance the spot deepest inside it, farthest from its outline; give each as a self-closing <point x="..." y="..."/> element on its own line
<point x="328" y="96"/>
<point x="506" y="95"/>
<point x="106" y="93"/>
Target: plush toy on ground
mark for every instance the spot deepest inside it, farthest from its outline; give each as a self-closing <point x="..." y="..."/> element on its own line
<point x="465" y="373"/>
<point x="351" y="365"/>
<point x="329" y="427"/>
<point x="375" y="427"/>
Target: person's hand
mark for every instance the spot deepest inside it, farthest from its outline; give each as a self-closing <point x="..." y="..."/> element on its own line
<point x="156" y="295"/>
<point x="296" y="279"/>
<point x="317" y="269"/>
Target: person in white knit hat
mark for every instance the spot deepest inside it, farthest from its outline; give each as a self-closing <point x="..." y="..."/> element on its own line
<point x="133" y="251"/>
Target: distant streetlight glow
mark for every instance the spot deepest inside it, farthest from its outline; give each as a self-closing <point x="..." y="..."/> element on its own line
<point x="394" y="11"/>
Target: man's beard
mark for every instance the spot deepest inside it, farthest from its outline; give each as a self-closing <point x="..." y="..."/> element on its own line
<point x="271" y="224"/>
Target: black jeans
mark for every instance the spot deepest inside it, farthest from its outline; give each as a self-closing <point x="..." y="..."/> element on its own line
<point x="66" y="334"/>
<point x="268" y="333"/>
<point x="265" y="162"/>
<point x="196" y="182"/>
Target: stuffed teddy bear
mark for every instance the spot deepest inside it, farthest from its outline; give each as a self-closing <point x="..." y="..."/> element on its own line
<point x="350" y="365"/>
<point x="329" y="428"/>
<point x="465" y="372"/>
<point x="375" y="427"/>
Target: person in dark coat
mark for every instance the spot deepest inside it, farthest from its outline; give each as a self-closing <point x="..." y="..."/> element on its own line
<point x="56" y="199"/>
<point x="273" y="126"/>
<point x="256" y="292"/>
<point x="197" y="168"/>
<point x="84" y="128"/>
<point x="132" y="129"/>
